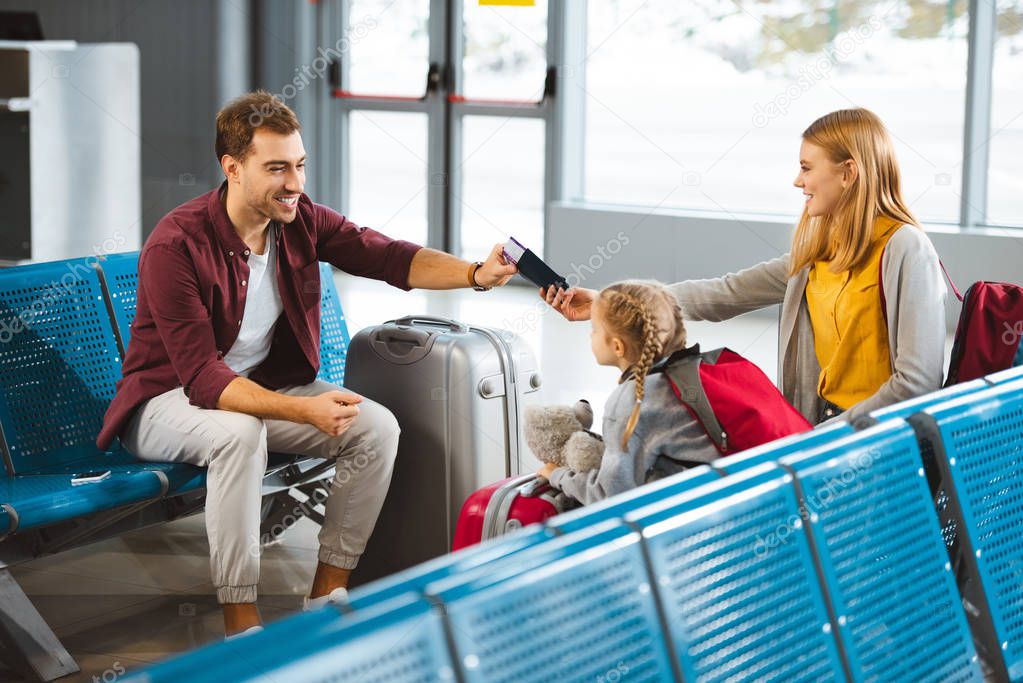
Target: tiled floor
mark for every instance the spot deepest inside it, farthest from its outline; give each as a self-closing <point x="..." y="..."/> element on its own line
<point x="121" y="603"/>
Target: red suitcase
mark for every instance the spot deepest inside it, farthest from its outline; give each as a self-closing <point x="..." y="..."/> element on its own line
<point x="499" y="508"/>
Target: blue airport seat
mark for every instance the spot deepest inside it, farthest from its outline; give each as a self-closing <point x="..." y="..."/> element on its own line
<point x="737" y="606"/>
<point x="1010" y="375"/>
<point x="904" y="409"/>
<point x="120" y="278"/>
<point x="772" y="451"/>
<point x="120" y="275"/>
<point x="886" y="572"/>
<point x="616" y="507"/>
<point x="59" y="363"/>
<point x="977" y="443"/>
<point x="399" y="641"/>
<point x="37" y="500"/>
<point x="577" y="608"/>
<point x="908" y="408"/>
<point x="417" y="578"/>
<point x="334" y="339"/>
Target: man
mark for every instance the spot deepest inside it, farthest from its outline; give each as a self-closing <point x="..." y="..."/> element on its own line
<point x="225" y="349"/>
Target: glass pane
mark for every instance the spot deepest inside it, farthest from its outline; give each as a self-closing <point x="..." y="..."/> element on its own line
<point x="388" y="46"/>
<point x="388" y="173"/>
<point x="1005" y="201"/>
<point x="505" y="51"/>
<point x="702" y="104"/>
<point x="503" y="182"/>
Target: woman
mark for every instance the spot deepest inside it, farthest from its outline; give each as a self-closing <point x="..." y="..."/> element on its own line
<point x="844" y="346"/>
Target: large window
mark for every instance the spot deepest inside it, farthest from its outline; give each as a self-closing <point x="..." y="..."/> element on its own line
<point x="502" y="153"/>
<point x="388" y="44"/>
<point x="659" y="104"/>
<point x="702" y="104"/>
<point x="505" y="51"/>
<point x="454" y="160"/>
<point x="502" y="187"/>
<point x="388" y="173"/>
<point x="1005" y="174"/>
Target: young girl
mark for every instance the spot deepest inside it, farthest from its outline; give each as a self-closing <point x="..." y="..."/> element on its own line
<point x="843" y="346"/>
<point x="647" y="430"/>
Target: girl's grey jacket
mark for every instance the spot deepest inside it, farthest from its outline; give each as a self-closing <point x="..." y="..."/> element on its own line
<point x="915" y="293"/>
<point x="665" y="439"/>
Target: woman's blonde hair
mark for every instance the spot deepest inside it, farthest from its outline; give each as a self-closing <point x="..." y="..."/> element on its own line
<point x="647" y="316"/>
<point x="844" y="237"/>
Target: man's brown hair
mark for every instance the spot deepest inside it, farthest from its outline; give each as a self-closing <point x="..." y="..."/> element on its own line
<point x="239" y="119"/>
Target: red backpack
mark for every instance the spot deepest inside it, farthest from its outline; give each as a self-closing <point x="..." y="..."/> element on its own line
<point x="988" y="334"/>
<point x="731" y="398"/>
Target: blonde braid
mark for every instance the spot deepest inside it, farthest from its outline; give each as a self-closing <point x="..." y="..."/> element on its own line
<point x="650" y="353"/>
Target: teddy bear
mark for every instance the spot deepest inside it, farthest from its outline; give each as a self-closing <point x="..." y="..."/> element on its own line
<point x="561" y="436"/>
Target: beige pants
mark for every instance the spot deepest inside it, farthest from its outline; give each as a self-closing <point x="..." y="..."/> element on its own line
<point x="234" y="447"/>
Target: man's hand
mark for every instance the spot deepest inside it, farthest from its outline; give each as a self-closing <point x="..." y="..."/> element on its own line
<point x="332" y="412"/>
<point x="574" y="303"/>
<point x="496" y="270"/>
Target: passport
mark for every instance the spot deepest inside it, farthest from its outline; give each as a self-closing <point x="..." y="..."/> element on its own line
<point x="531" y="266"/>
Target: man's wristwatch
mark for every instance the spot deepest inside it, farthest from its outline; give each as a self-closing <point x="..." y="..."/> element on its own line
<point x="472" y="277"/>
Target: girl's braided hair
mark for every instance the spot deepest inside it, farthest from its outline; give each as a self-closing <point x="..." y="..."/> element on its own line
<point x="648" y="318"/>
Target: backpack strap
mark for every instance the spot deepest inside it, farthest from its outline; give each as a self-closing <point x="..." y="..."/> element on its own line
<point x="684" y="373"/>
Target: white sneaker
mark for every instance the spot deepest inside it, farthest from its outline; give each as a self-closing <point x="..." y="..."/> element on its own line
<point x="248" y="631"/>
<point x="336" y="596"/>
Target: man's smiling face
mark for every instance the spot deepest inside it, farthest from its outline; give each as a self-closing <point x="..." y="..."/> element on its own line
<point x="272" y="176"/>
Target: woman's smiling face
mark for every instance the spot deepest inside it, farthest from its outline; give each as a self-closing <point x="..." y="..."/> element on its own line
<point x="821" y="179"/>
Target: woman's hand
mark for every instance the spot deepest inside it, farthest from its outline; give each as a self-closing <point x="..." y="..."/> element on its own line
<point x="546" y="470"/>
<point x="574" y="303"/>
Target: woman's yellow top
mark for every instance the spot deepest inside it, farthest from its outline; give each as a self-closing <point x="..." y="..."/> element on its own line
<point x="849" y="330"/>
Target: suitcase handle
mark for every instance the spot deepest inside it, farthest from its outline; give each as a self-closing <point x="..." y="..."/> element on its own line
<point x="403" y="334"/>
<point x="401" y="345"/>
<point x="453" y="325"/>
<point x="534" y="487"/>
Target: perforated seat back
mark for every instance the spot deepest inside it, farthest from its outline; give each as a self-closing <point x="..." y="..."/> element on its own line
<point x="739" y="605"/>
<point x="59" y="363"/>
<point x="401" y="641"/>
<point x="772" y="451"/>
<point x="334" y="339"/>
<point x="578" y="608"/>
<point x="121" y="275"/>
<point x="978" y="443"/>
<point x="881" y="552"/>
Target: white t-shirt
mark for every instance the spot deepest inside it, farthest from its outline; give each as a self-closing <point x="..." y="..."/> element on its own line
<point x="263" y="306"/>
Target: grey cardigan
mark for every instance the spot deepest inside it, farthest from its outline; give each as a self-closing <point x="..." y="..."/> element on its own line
<point x="665" y="428"/>
<point x="914" y="290"/>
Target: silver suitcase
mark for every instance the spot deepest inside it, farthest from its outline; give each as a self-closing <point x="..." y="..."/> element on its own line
<point x="458" y="392"/>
